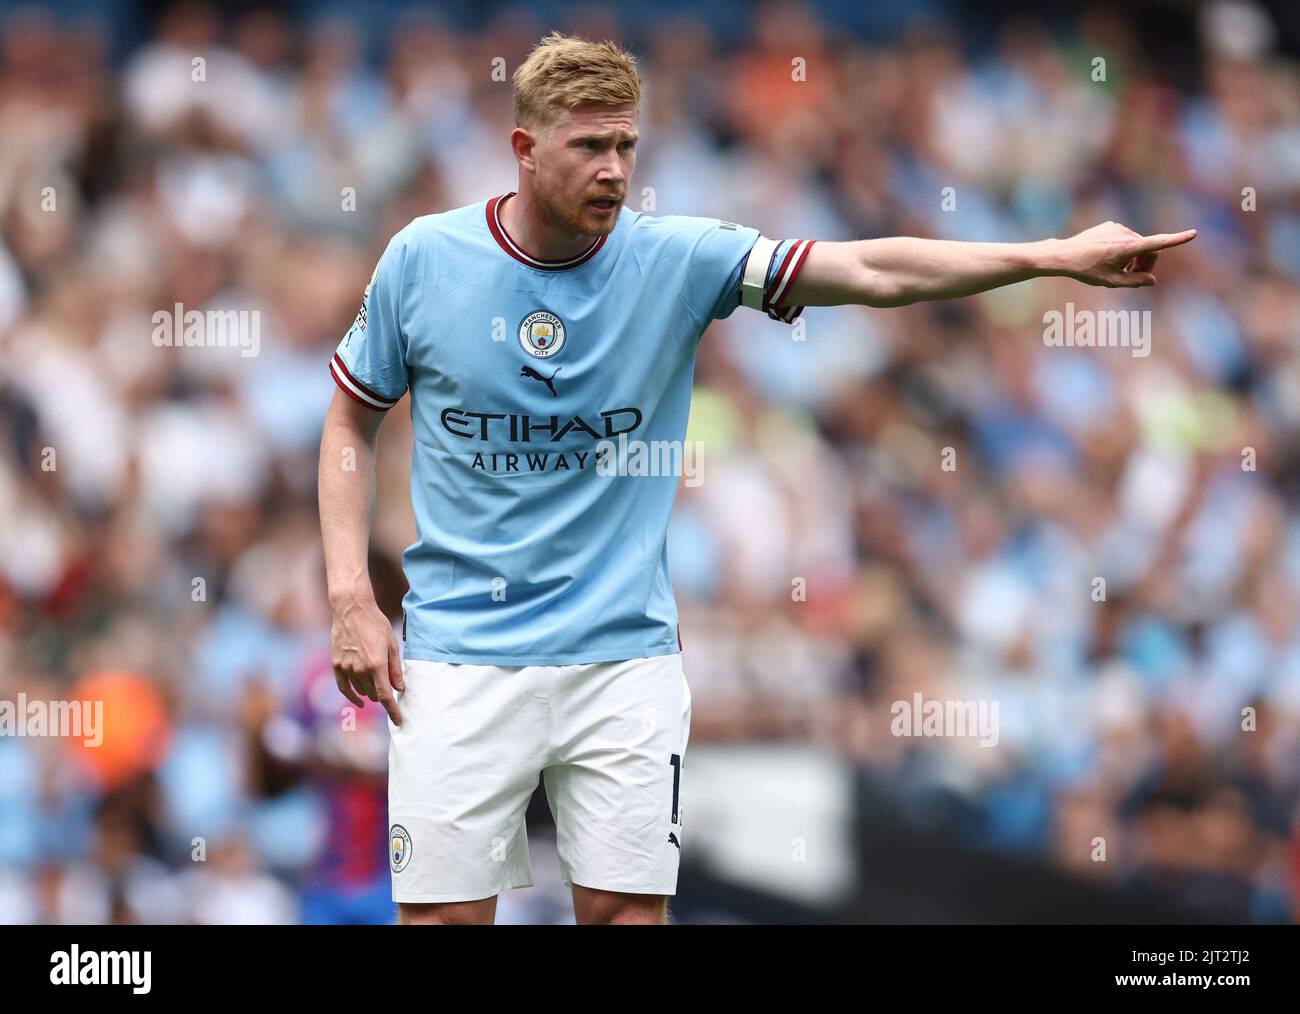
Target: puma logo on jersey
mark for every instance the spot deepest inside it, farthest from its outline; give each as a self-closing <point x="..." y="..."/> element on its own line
<point x="528" y="371"/>
<point x="673" y="838"/>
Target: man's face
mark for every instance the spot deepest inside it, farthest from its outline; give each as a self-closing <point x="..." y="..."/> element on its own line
<point x="584" y="166"/>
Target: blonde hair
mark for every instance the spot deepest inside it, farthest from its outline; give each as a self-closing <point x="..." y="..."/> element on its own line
<point x="564" y="71"/>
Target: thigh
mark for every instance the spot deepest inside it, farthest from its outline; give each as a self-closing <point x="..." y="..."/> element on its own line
<point x="462" y="767"/>
<point x="616" y="791"/>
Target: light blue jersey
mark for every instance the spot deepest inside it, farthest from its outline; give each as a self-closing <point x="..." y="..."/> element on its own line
<point x="522" y="372"/>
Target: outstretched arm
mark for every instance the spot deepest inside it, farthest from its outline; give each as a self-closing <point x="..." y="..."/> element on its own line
<point x="901" y="270"/>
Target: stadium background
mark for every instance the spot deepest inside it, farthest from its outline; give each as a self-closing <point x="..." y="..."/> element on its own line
<point x="1119" y="720"/>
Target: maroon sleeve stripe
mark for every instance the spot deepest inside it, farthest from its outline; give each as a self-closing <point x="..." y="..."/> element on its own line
<point x="338" y="360"/>
<point x="355" y="390"/>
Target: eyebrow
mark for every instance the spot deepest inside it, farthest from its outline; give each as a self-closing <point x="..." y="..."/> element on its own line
<point x="603" y="136"/>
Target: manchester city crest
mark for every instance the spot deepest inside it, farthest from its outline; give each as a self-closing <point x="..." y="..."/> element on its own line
<point x="541" y="334"/>
<point x="399" y="850"/>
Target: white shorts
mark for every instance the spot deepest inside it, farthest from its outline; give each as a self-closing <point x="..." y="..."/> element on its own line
<point x="609" y="739"/>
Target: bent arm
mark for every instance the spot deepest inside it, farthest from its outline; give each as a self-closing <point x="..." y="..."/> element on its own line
<point x="900" y="270"/>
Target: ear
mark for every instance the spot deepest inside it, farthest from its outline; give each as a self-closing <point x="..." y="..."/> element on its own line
<point x="523" y="143"/>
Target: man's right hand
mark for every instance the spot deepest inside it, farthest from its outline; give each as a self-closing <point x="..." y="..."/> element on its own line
<point x="1114" y="255"/>
<point x="367" y="660"/>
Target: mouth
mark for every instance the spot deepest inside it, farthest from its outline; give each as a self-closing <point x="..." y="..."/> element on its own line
<point x="604" y="204"/>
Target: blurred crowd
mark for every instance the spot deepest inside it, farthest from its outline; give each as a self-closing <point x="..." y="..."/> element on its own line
<point x="919" y="500"/>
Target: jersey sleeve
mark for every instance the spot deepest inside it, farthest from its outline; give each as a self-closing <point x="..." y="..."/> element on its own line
<point x="731" y="266"/>
<point x="370" y="362"/>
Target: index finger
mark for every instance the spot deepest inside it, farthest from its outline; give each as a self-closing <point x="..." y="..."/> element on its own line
<point x="384" y="692"/>
<point x="1163" y="240"/>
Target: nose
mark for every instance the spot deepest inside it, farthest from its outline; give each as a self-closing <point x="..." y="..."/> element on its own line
<point x="611" y="170"/>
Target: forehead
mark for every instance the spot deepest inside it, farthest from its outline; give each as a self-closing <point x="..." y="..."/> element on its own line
<point x="596" y="118"/>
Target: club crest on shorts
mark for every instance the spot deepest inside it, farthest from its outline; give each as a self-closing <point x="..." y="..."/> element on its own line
<point x="541" y="334"/>
<point x="399" y="848"/>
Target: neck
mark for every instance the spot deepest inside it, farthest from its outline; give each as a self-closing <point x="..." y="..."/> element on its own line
<point x="538" y="234"/>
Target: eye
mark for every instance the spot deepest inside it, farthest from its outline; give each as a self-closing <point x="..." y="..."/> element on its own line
<point x="628" y="145"/>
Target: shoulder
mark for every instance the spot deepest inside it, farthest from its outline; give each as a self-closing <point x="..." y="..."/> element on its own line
<point x="414" y="249"/>
<point x="425" y="231"/>
<point x="674" y="228"/>
<point x="689" y="234"/>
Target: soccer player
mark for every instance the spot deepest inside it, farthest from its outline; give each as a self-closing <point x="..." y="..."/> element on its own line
<point x="536" y="332"/>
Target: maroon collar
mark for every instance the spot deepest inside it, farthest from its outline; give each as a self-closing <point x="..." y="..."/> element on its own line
<point x="507" y="244"/>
